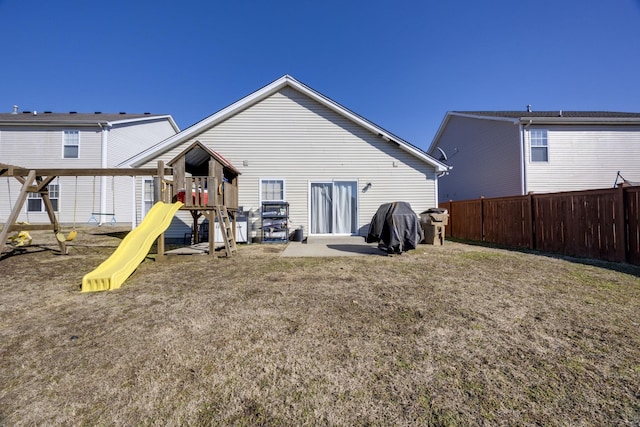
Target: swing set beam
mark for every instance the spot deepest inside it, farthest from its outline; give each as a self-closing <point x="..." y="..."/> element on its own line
<point x="17" y="171"/>
<point x="37" y="180"/>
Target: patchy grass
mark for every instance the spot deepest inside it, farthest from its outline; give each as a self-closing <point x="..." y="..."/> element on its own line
<point x="443" y="336"/>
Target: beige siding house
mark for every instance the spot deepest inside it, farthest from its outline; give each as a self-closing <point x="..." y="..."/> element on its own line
<point x="291" y="143"/>
<point x="506" y="153"/>
<point x="77" y="140"/>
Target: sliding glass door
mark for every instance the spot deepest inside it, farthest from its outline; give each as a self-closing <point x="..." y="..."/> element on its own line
<point x="334" y="207"/>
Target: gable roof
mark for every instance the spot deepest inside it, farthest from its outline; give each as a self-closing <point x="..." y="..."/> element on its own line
<point x="544" y="117"/>
<point x="198" y="153"/>
<point x="264" y="92"/>
<point x="79" y="119"/>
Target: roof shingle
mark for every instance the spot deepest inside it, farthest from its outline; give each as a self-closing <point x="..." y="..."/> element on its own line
<point x="62" y="118"/>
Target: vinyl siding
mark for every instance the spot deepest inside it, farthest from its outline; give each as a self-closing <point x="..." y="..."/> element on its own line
<point x="129" y="139"/>
<point x="292" y="137"/>
<point x="42" y="148"/>
<point x="485" y="156"/>
<point x="584" y="157"/>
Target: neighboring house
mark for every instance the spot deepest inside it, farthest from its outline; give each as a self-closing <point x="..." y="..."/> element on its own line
<point x="77" y="140"/>
<point x="506" y="153"/>
<point x="291" y="143"/>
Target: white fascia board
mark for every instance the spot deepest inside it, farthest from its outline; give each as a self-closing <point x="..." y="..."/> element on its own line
<point x="56" y="123"/>
<point x="581" y="120"/>
<point x="443" y="124"/>
<point x="337" y="108"/>
<point x="262" y="93"/>
<point x="167" y="117"/>
<point x="205" y="123"/>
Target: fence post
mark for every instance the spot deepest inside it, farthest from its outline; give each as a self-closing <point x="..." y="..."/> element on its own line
<point x="482" y="218"/>
<point x="621" y="226"/>
<point x="451" y="218"/>
<point x="532" y="227"/>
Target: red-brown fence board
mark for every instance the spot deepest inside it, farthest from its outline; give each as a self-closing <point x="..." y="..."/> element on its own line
<point x="591" y="224"/>
<point x="632" y="216"/>
<point x="507" y="221"/>
<point x="601" y="224"/>
<point x="467" y="222"/>
<point x="549" y="223"/>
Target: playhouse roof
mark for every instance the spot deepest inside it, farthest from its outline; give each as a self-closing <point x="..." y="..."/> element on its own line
<point x="197" y="154"/>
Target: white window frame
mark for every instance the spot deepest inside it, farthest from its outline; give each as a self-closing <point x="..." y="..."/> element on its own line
<point x="66" y="143"/>
<point x="539" y="141"/>
<point x="55" y="201"/>
<point x="145" y="182"/>
<point x="333" y="206"/>
<point x="284" y="189"/>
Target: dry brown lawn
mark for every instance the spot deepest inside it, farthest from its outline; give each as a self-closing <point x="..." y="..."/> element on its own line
<point x="453" y="335"/>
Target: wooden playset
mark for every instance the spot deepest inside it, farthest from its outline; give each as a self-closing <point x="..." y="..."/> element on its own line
<point x="204" y="181"/>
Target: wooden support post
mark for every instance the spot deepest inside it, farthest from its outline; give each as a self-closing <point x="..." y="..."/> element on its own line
<point x="211" y="217"/>
<point x="17" y="207"/>
<point x="195" y="232"/>
<point x="160" y="196"/>
<point x="54" y="221"/>
<point x="158" y="189"/>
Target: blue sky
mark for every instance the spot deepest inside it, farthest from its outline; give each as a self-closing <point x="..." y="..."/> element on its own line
<point x="401" y="64"/>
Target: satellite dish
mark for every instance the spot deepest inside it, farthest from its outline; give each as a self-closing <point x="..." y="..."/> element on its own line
<point x="443" y="155"/>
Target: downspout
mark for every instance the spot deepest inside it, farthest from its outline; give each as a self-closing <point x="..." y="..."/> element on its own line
<point x="104" y="140"/>
<point x="439" y="175"/>
<point x="437" y="190"/>
<point x="523" y="163"/>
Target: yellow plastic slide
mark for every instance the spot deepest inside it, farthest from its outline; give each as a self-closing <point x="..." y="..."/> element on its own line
<point x="131" y="251"/>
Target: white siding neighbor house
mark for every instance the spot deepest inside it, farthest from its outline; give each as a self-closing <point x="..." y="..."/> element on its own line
<point x="293" y="144"/>
<point x="507" y="153"/>
<point x="48" y="140"/>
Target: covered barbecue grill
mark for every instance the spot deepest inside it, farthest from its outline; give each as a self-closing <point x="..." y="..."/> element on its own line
<point x="395" y="227"/>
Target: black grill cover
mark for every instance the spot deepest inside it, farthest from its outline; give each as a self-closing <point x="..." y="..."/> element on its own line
<point x="396" y="227"/>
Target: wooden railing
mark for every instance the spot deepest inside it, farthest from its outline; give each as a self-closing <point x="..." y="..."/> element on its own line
<point x="198" y="192"/>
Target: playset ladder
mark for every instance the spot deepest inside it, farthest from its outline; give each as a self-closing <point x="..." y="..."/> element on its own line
<point x="227" y="231"/>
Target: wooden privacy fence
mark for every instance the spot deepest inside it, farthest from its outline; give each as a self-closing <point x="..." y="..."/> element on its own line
<point x="601" y="224"/>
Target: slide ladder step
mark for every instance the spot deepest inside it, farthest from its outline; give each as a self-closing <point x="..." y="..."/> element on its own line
<point x="227" y="232"/>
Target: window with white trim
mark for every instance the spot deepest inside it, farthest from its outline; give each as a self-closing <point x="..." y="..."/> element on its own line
<point x="539" y="145"/>
<point x="272" y="190"/>
<point x="36" y="204"/>
<point x="148" y="195"/>
<point x="71" y="144"/>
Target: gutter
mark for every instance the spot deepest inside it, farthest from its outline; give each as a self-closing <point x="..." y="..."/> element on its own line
<point x="582" y="120"/>
<point x="104" y="145"/>
<point x="523" y="163"/>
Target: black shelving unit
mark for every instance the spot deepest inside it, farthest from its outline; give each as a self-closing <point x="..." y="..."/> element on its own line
<point x="275" y="222"/>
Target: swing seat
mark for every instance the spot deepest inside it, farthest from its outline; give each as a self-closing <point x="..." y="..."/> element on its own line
<point x="23" y="238"/>
<point x="68" y="238"/>
<point x="93" y="218"/>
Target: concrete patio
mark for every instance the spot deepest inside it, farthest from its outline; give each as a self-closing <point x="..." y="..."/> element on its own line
<point x="332" y="246"/>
